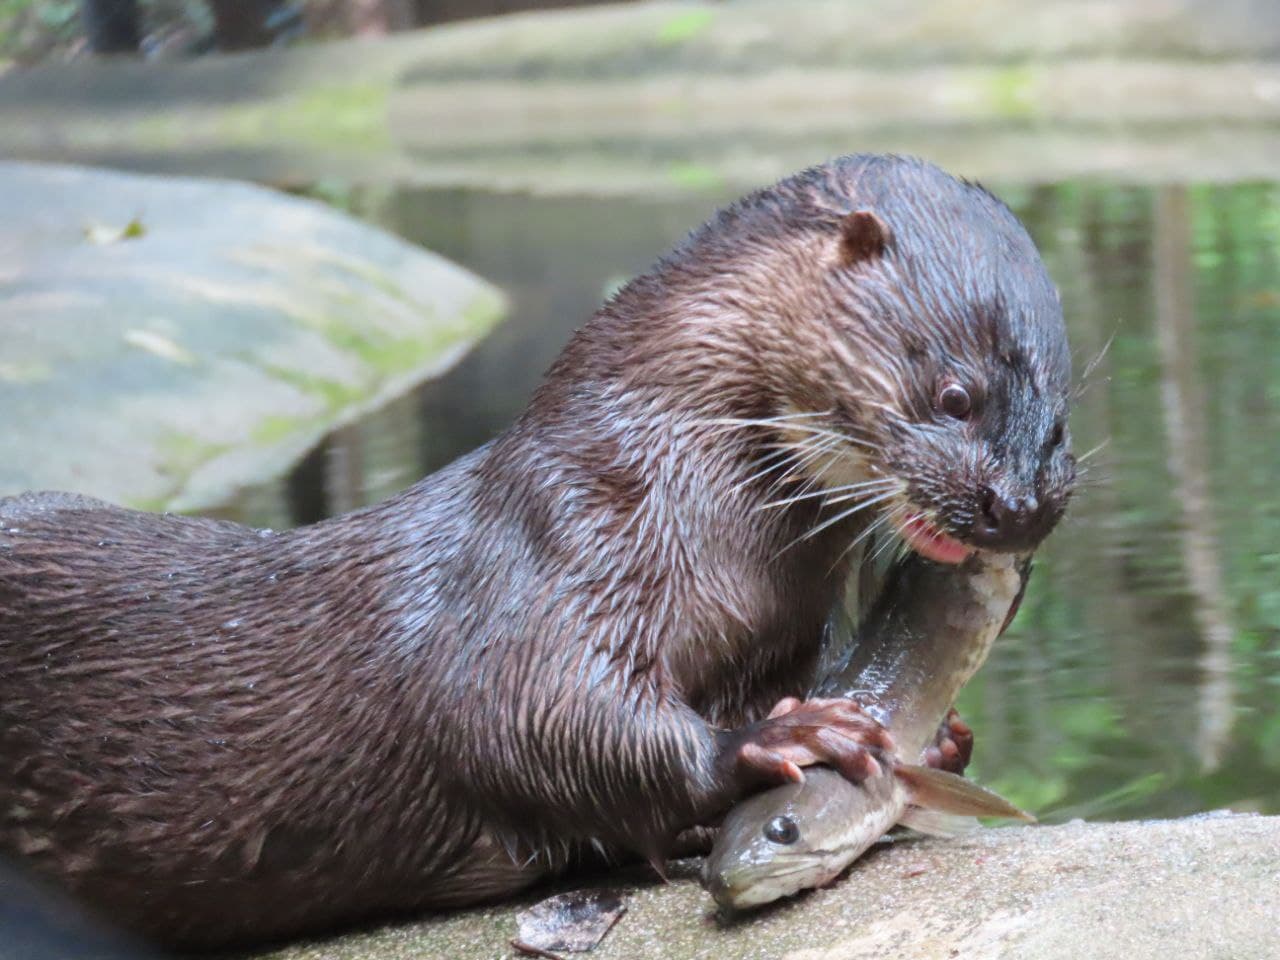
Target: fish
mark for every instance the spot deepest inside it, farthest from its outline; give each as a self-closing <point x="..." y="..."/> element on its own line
<point x="930" y="628"/>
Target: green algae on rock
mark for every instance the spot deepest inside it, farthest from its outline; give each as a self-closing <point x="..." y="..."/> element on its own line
<point x="672" y="97"/>
<point x="210" y="345"/>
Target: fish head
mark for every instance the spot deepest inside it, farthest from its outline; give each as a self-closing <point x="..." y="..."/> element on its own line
<point x="794" y="837"/>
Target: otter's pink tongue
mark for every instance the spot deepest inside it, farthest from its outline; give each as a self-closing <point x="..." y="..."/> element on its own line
<point x="927" y="540"/>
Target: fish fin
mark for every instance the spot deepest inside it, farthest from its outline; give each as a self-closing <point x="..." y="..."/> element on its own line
<point x="659" y="865"/>
<point x="935" y="823"/>
<point x="939" y="790"/>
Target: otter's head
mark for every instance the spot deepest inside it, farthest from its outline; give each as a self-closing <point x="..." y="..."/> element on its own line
<point x="946" y="366"/>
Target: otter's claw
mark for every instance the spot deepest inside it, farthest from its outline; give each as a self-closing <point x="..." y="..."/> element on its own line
<point x="953" y="747"/>
<point x="796" y="734"/>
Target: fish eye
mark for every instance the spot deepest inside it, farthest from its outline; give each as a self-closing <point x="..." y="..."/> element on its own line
<point x="782" y="830"/>
<point x="954" y="401"/>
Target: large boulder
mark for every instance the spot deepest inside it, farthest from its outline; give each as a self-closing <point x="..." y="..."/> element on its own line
<point x="168" y="340"/>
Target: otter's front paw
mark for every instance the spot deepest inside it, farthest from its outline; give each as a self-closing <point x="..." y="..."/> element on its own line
<point x="952" y="749"/>
<point x="838" y="733"/>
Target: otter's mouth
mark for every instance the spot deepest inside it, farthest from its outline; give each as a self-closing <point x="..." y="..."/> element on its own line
<point x="929" y="540"/>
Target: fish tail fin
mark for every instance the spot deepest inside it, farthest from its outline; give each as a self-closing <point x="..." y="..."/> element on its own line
<point x="935" y="823"/>
<point x="938" y="790"/>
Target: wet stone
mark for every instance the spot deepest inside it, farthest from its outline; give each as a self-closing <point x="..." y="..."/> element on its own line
<point x="168" y="340"/>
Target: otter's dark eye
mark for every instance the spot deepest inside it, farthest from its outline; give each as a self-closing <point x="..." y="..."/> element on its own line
<point x="781" y="830"/>
<point x="1058" y="434"/>
<point x="953" y="400"/>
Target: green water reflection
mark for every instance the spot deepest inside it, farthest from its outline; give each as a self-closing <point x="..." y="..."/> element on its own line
<point x="1142" y="677"/>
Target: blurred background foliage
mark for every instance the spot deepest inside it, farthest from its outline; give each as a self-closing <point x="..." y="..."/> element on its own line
<point x="31" y="30"/>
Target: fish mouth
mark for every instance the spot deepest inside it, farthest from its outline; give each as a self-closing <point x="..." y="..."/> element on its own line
<point x="734" y="892"/>
<point x="932" y="542"/>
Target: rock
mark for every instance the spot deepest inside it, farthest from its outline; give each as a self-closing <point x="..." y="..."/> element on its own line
<point x="168" y="340"/>
<point x="1203" y="887"/>
<point x="673" y="97"/>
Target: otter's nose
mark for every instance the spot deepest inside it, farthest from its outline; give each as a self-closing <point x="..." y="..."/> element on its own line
<point x="1008" y="522"/>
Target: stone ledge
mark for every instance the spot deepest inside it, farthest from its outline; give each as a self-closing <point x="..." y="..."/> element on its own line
<point x="1201" y="887"/>
<point x="674" y="97"/>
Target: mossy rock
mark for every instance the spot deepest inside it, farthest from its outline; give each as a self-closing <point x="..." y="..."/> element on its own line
<point x="169" y="340"/>
<point x="678" y="97"/>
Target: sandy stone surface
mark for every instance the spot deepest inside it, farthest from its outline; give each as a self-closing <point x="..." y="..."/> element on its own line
<point x="1204" y="887"/>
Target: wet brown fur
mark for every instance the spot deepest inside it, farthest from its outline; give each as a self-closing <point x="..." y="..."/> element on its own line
<point x="222" y="735"/>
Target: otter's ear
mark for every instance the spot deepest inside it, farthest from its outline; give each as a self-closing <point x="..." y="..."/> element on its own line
<point x="863" y="236"/>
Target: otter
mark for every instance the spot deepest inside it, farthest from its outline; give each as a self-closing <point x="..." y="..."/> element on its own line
<point x="588" y="633"/>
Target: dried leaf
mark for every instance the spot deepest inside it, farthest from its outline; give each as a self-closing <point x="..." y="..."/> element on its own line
<point x="575" y="921"/>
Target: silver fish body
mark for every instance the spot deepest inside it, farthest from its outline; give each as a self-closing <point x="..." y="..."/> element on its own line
<point x="928" y="632"/>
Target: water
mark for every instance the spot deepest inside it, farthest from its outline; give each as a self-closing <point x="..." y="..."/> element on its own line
<point x="1142" y="676"/>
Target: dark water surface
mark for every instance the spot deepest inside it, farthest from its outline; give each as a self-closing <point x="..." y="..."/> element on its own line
<point x="1142" y="676"/>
